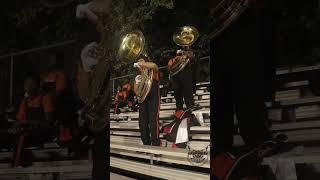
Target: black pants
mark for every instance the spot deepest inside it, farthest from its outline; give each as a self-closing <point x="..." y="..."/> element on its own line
<point x="120" y="104"/>
<point x="183" y="86"/>
<point x="100" y="155"/>
<point x="149" y="117"/>
<point x="131" y="96"/>
<point x="238" y="85"/>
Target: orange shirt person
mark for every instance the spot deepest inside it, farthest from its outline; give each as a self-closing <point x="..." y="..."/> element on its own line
<point x="126" y="88"/>
<point x="37" y="110"/>
<point x="119" y="100"/>
<point x="55" y="83"/>
<point x="34" y="102"/>
<point x="54" y="80"/>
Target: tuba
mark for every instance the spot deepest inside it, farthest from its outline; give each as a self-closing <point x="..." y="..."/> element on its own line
<point x="225" y="12"/>
<point x="97" y="101"/>
<point x="131" y="47"/>
<point x="185" y="37"/>
<point x="145" y="83"/>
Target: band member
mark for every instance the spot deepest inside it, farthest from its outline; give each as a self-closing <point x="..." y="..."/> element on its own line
<point x="37" y="110"/>
<point x="54" y="83"/>
<point x="126" y="88"/>
<point x="239" y="74"/>
<point x="98" y="12"/>
<point x="183" y="83"/>
<point x="120" y="100"/>
<point x="150" y="107"/>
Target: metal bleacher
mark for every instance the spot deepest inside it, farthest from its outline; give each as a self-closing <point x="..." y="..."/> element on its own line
<point x="128" y="153"/>
<point x="293" y="111"/>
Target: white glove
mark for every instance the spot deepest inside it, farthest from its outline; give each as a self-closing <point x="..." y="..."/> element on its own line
<point x="83" y="11"/>
<point x="136" y="65"/>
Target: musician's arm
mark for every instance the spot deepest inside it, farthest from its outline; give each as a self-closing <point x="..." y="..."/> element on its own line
<point x="170" y="64"/>
<point x="148" y="65"/>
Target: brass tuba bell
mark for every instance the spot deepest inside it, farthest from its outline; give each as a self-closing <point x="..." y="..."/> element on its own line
<point x="131" y="47"/>
<point x="185" y="36"/>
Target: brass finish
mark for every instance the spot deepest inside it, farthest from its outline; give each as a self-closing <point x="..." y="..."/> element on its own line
<point x="181" y="62"/>
<point x="185" y="36"/>
<point x="145" y="84"/>
<point x="132" y="45"/>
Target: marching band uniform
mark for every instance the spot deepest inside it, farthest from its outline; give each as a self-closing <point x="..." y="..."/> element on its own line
<point x="182" y="84"/>
<point x="98" y="12"/>
<point x="149" y="108"/>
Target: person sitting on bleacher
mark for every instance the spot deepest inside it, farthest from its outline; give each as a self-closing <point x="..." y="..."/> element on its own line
<point x="55" y="83"/>
<point x="120" y="100"/>
<point x="35" y="117"/>
<point x="126" y="88"/>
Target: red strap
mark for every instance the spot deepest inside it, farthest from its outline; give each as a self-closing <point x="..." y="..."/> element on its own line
<point x="222" y="164"/>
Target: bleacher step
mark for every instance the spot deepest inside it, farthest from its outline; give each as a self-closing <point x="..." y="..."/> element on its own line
<point x="156" y="171"/>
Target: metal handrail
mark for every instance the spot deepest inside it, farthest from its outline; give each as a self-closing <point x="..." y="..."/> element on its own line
<point x="11" y="55"/>
<point x="38" y="49"/>
<point x="162" y="67"/>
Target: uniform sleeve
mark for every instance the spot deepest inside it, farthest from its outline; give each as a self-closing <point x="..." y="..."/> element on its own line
<point x="22" y="114"/>
<point x="61" y="81"/>
<point x="156" y="74"/>
<point x="170" y="64"/>
<point x="47" y="104"/>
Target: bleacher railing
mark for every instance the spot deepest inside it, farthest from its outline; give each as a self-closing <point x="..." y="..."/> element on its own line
<point x="160" y="68"/>
<point x="10" y="70"/>
<point x="14" y="54"/>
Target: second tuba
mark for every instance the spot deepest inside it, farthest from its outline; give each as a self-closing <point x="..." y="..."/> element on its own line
<point x="131" y="47"/>
<point x="185" y="36"/>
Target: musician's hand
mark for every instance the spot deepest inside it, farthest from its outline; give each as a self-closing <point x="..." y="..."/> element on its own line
<point x="136" y="65"/>
<point x="141" y="62"/>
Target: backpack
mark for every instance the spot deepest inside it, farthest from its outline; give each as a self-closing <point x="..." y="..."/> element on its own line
<point x="182" y="122"/>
